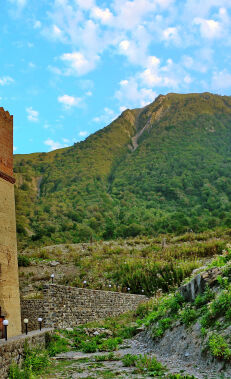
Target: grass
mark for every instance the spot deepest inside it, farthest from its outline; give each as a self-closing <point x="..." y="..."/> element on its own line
<point x="140" y="264"/>
<point x="144" y="364"/>
<point x="211" y="309"/>
<point x="36" y="361"/>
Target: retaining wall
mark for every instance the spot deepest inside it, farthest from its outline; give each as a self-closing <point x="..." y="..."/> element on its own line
<point x="64" y="306"/>
<point x="12" y="350"/>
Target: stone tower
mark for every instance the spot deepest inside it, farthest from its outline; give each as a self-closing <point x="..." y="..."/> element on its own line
<point x="9" y="285"/>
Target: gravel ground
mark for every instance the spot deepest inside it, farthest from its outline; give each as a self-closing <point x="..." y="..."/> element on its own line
<point x="141" y="344"/>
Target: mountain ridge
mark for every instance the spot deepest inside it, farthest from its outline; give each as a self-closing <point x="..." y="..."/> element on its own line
<point x="135" y="176"/>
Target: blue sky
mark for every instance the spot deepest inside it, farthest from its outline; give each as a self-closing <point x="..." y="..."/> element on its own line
<point x="69" y="67"/>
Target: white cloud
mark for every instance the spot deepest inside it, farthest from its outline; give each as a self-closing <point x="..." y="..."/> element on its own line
<point x="31" y="65"/>
<point x="201" y="60"/>
<point x="19" y="3"/>
<point x="150" y="76"/>
<point x="85" y="4"/>
<point x="188" y="79"/>
<point x="221" y="80"/>
<point x="201" y="8"/>
<point x="131" y="13"/>
<point x="104" y="15"/>
<point x="4" y="80"/>
<point x="78" y="63"/>
<point x="208" y="28"/>
<point x="15" y="148"/>
<point x="32" y="115"/>
<point x="53" y="145"/>
<point x="171" y="34"/>
<point x="57" y="32"/>
<point x="131" y="95"/>
<point x="70" y="101"/>
<point x="83" y="133"/>
<point x="108" y="116"/>
<point x="122" y="108"/>
<point x="132" y="50"/>
<point x="156" y="75"/>
<point x="55" y="70"/>
<point x="37" y="24"/>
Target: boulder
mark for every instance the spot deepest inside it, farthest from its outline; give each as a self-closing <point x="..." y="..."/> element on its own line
<point x="198" y="284"/>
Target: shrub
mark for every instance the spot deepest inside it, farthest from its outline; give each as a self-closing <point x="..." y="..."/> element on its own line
<point x="16" y="373"/>
<point x="179" y="376"/>
<point x="219" y="347"/>
<point x="149" y="364"/>
<point x="35" y="360"/>
<point x="128" y="332"/>
<point x="159" y="329"/>
<point x="175" y="303"/>
<point x="106" y="357"/>
<point x="188" y="316"/>
<point x="23" y="261"/>
<point x="203" y="299"/>
<point x="89" y="346"/>
<point x="144" y="364"/>
<point x="56" y="345"/>
<point x="110" y="344"/>
<point x="43" y="254"/>
<point x="129" y="360"/>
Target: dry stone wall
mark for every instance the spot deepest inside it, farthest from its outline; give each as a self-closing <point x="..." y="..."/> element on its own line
<point x="32" y="309"/>
<point x="12" y="351"/>
<point x="64" y="306"/>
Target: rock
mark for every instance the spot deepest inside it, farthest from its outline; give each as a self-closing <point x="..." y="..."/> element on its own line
<point x="198" y="284"/>
<point x="54" y="263"/>
<point x="140" y="329"/>
<point x="97" y="331"/>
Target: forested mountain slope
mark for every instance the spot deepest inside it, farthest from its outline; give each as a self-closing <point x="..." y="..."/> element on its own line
<point x="163" y="168"/>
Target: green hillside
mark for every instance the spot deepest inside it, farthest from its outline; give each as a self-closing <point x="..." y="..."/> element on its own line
<point x="162" y="168"/>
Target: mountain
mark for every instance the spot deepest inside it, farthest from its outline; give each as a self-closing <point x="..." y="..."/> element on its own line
<point x="162" y="168"/>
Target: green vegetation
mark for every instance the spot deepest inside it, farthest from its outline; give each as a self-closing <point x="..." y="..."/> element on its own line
<point x="212" y="310"/>
<point x="144" y="364"/>
<point x="179" y="376"/>
<point x="23" y="261"/>
<point x="111" y="334"/>
<point x="35" y="362"/>
<point x="219" y="348"/>
<point x="141" y="264"/>
<point x="177" y="180"/>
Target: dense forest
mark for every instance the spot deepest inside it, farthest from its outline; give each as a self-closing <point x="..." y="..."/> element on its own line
<point x="164" y="168"/>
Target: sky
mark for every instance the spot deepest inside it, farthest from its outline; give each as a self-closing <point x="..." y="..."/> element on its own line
<point x="69" y="67"/>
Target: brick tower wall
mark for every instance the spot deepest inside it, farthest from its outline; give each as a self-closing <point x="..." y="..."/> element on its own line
<point x="6" y="141"/>
<point x="9" y="286"/>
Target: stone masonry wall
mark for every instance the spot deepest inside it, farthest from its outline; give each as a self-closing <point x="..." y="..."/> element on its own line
<point x="64" y="307"/>
<point x="13" y="349"/>
<point x="32" y="309"/>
